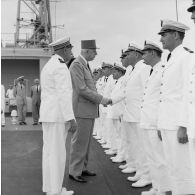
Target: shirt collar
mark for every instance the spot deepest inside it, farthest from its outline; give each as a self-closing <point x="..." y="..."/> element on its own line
<point x="84" y="59"/>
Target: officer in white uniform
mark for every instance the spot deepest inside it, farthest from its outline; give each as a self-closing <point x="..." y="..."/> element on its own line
<point x="132" y="97"/>
<point x="114" y="112"/>
<point x="190" y="101"/>
<point x="123" y="153"/>
<point x="174" y="138"/>
<point x="149" y="115"/>
<point x="56" y="115"/>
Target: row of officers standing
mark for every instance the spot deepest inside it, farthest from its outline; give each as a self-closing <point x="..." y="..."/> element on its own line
<point x="146" y="115"/>
<point x="151" y="121"/>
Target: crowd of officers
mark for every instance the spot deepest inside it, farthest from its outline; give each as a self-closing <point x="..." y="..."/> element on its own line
<point x="150" y="124"/>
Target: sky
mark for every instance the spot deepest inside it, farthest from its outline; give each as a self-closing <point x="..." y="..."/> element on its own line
<point x="112" y="23"/>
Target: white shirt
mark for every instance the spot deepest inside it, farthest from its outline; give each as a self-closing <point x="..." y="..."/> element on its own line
<point x="10" y="93"/>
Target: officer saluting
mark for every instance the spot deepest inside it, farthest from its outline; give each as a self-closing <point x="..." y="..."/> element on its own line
<point x="175" y="140"/>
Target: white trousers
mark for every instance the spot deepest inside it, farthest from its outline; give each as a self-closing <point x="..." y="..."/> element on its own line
<point x="3" y="117"/>
<point x="54" y="156"/>
<point x="192" y="155"/>
<point x="156" y="160"/>
<point x="178" y="160"/>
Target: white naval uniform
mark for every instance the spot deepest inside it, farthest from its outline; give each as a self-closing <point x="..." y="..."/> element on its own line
<point x="171" y="95"/>
<point x="114" y="113"/>
<point x="55" y="111"/>
<point x="152" y="144"/>
<point x="119" y="96"/>
<point x="188" y="109"/>
<point x="109" y="83"/>
<point x="132" y="99"/>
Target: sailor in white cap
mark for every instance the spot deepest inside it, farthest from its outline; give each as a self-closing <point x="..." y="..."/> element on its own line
<point x="114" y="112"/>
<point x="149" y="115"/>
<point x="192" y="10"/>
<point x="132" y="99"/>
<point x="174" y="135"/>
<point x="21" y="101"/>
<point x="56" y="115"/>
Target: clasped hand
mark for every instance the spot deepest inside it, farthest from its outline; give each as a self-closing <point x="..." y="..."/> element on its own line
<point x="106" y="101"/>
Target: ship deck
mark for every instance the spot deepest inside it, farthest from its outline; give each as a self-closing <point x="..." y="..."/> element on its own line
<point x="21" y="166"/>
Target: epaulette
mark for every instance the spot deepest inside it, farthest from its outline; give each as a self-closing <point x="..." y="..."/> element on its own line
<point x="189" y="50"/>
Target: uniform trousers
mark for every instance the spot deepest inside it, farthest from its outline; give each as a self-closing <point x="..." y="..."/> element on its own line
<point x="21" y="108"/>
<point x="178" y="160"/>
<point x="122" y="151"/>
<point x="80" y="146"/>
<point x="192" y="155"/>
<point x="130" y="140"/>
<point x="54" y="156"/>
<point x="156" y="160"/>
<point x="113" y="125"/>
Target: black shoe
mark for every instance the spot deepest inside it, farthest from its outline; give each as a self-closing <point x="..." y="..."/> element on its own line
<point x="24" y="123"/>
<point x="35" y="124"/>
<point x="88" y="173"/>
<point x="20" y="123"/>
<point x="78" y="179"/>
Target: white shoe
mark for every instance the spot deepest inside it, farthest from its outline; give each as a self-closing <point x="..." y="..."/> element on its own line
<point x="136" y="177"/>
<point x="110" y="152"/>
<point x="105" y="146"/>
<point x="65" y="192"/>
<point x="152" y="191"/>
<point x="118" y="160"/>
<point x="129" y="170"/>
<point x="141" y="183"/>
<point x="123" y="166"/>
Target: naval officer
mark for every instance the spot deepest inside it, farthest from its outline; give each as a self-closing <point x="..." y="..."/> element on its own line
<point x="56" y="115"/>
<point x="174" y="137"/>
<point x="148" y="122"/>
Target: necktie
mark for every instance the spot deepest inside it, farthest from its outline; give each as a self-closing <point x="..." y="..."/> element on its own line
<point x="168" y="57"/>
<point x="151" y="71"/>
<point x="133" y="68"/>
<point x="89" y="68"/>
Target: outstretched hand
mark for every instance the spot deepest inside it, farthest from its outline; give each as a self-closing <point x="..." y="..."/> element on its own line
<point x="106" y="101"/>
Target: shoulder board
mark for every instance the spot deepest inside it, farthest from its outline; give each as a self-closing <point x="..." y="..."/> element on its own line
<point x="189" y="50"/>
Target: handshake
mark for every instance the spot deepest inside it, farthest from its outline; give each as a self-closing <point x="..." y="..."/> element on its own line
<point x="106" y="101"/>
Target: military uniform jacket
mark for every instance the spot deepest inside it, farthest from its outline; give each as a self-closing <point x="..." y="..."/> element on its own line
<point x="150" y="101"/>
<point x="188" y="104"/>
<point x="171" y="90"/>
<point x="115" y="111"/>
<point x="56" y="92"/>
<point x="134" y="90"/>
<point x="86" y="100"/>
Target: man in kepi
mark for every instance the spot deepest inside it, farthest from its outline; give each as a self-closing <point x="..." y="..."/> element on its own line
<point x="86" y="102"/>
<point x="56" y="115"/>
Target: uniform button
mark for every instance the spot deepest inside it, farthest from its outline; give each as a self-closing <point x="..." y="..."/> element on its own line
<point x="190" y="102"/>
<point x="161" y="84"/>
<point x="141" y="106"/>
<point x="160" y="92"/>
<point x="144" y="94"/>
<point x="190" y="91"/>
<point x="160" y="100"/>
<point x="142" y="100"/>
